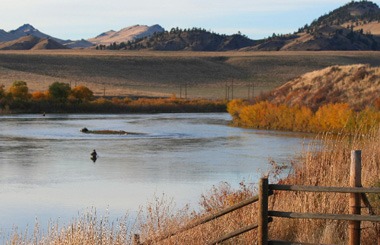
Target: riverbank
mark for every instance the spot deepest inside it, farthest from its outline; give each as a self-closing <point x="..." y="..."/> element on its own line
<point x="116" y="105"/>
<point x="325" y="162"/>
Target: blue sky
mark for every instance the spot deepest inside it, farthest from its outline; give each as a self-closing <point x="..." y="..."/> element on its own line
<point x="76" y="19"/>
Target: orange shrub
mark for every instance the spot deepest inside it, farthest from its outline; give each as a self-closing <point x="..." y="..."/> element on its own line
<point x="302" y="118"/>
<point x="234" y="107"/>
<point x="333" y="118"/>
<point x="82" y="93"/>
<point x="38" y="95"/>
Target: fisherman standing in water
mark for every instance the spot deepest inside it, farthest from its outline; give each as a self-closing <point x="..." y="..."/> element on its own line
<point x="94" y="156"/>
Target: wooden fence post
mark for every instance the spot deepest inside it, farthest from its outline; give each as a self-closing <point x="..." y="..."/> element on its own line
<point x="354" y="202"/>
<point x="262" y="232"/>
<point x="136" y="239"/>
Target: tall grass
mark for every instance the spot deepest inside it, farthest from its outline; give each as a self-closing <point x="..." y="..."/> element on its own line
<point x="87" y="229"/>
<point x="325" y="162"/>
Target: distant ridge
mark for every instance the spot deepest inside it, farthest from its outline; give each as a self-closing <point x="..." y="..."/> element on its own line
<point x="354" y="26"/>
<point x="195" y="39"/>
<point x="28" y="30"/>
<point x="31" y="43"/>
<point x="22" y="31"/>
<point x="126" y="34"/>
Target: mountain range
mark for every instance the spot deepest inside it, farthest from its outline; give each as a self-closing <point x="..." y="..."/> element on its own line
<point x="16" y="39"/>
<point x="354" y="26"/>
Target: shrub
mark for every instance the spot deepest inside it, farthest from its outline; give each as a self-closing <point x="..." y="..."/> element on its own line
<point x="82" y="93"/>
<point x="19" y="90"/>
<point x="335" y="118"/>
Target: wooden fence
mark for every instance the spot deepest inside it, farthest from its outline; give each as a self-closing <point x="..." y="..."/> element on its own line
<point x="357" y="194"/>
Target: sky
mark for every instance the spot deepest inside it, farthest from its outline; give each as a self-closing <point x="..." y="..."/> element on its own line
<point x="77" y="19"/>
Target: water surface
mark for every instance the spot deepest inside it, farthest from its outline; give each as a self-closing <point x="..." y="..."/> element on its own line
<point x="46" y="171"/>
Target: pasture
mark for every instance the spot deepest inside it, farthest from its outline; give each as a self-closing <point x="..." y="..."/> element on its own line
<point x="215" y="75"/>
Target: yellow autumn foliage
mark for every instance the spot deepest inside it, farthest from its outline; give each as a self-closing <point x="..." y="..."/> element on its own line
<point x="335" y="118"/>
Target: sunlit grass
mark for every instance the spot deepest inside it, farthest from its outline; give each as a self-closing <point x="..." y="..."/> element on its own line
<point x="161" y="73"/>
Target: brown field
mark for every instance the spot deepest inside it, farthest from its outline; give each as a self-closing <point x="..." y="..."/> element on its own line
<point x="151" y="73"/>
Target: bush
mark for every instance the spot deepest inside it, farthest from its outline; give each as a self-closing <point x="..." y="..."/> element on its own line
<point x="335" y="118"/>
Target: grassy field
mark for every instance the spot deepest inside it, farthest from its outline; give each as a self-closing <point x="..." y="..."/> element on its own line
<point x="147" y="73"/>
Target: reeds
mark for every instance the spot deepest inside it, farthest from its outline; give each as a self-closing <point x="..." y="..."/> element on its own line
<point x="88" y="229"/>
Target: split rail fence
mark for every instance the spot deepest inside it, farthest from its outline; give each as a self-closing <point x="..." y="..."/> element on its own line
<point x="357" y="194"/>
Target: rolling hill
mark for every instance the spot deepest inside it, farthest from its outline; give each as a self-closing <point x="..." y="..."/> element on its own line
<point x="31" y="43"/>
<point x="354" y="26"/>
<point x="200" y="74"/>
<point x="28" y="30"/>
<point x="126" y="34"/>
<point x="357" y="85"/>
<point x="195" y="39"/>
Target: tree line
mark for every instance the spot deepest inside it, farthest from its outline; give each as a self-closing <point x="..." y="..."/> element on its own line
<point x="61" y="98"/>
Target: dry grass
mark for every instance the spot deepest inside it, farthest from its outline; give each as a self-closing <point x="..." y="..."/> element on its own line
<point x="357" y="85"/>
<point x="87" y="229"/>
<point x="162" y="73"/>
<point x="328" y="165"/>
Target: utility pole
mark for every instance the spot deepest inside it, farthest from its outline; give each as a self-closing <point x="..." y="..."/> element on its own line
<point x="251" y="90"/>
<point x="232" y="89"/>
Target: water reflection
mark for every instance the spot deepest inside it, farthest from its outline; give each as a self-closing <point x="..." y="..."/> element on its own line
<point x="45" y="169"/>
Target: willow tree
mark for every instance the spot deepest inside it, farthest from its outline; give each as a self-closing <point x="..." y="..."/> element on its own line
<point x="59" y="91"/>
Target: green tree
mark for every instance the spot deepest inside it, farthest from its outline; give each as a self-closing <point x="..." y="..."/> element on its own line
<point x="19" y="90"/>
<point x="59" y="91"/>
<point x="2" y="91"/>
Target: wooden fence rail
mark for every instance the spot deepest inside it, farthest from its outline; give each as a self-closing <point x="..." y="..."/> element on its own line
<point x="357" y="193"/>
<point x="345" y="217"/>
<point x="206" y="219"/>
<point x="276" y="187"/>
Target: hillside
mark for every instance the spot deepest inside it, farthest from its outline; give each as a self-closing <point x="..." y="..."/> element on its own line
<point x="354" y="26"/>
<point x="194" y="39"/>
<point x="48" y="44"/>
<point x="126" y="34"/>
<point x="31" y="43"/>
<point x="201" y="74"/>
<point x="357" y="85"/>
<point x="28" y="30"/>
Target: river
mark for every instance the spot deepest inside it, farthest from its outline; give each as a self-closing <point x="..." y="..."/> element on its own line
<point x="46" y="172"/>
